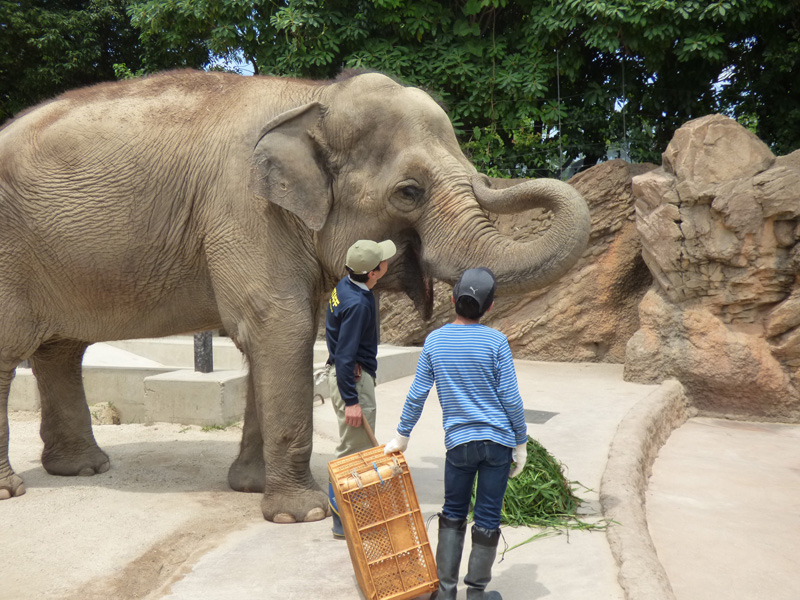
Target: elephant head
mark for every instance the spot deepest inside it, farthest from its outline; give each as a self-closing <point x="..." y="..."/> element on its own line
<point x="370" y="158"/>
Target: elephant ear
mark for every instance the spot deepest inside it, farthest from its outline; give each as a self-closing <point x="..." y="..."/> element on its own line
<point x="288" y="165"/>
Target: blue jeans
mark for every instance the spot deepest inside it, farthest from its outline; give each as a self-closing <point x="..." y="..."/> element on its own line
<point x="492" y="463"/>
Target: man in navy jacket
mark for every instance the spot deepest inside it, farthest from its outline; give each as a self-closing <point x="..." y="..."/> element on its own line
<point x="351" y="331"/>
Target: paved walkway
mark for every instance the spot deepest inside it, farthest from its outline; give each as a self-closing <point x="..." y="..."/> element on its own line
<point x="588" y="402"/>
<point x="723" y="507"/>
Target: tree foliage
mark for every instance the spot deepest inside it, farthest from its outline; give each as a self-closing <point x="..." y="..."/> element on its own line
<point x="49" y="46"/>
<point x="530" y="85"/>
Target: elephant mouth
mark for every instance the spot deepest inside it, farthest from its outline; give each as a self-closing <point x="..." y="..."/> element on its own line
<point x="407" y="273"/>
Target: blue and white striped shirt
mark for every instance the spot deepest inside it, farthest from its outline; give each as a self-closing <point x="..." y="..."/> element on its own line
<point x="476" y="382"/>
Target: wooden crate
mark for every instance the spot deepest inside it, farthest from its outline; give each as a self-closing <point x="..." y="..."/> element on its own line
<point x="383" y="525"/>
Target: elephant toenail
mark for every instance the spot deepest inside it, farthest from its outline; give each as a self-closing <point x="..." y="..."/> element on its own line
<point x="315" y="514"/>
<point x="284" y="518"/>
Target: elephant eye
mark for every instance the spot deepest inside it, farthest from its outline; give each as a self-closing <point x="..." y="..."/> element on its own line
<point x="412" y="192"/>
<point x="407" y="196"/>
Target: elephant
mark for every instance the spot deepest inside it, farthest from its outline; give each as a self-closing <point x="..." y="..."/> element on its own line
<point x="186" y="201"/>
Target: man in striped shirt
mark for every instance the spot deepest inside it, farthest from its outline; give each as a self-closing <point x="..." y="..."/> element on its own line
<point x="484" y="424"/>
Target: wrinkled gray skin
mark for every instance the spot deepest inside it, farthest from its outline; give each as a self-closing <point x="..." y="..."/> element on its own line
<point x="189" y="201"/>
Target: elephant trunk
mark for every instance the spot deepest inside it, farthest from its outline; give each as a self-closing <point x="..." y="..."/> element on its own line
<point x="522" y="266"/>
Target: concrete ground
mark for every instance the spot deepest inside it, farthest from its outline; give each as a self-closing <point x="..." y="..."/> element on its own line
<point x="723" y="508"/>
<point x="162" y="523"/>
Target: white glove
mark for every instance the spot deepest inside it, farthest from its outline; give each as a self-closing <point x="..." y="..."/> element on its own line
<point x="398" y="444"/>
<point x="520" y="456"/>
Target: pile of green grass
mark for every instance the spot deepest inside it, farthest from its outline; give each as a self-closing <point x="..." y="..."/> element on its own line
<point x="542" y="496"/>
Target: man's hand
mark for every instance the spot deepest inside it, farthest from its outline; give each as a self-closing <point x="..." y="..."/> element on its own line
<point x="398" y="444"/>
<point x="352" y="415"/>
<point x="521" y="455"/>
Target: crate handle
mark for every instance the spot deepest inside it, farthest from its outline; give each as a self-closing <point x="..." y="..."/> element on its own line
<point x="368" y="430"/>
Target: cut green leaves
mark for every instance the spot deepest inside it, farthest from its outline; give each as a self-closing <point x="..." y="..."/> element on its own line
<point x="542" y="496"/>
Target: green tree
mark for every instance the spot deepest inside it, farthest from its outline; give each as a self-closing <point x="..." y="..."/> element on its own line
<point x="49" y="46"/>
<point x="676" y="53"/>
<point x="761" y="85"/>
<point x="530" y="85"/>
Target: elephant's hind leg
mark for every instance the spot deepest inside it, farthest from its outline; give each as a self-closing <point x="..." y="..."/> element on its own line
<point x="10" y="483"/>
<point x="69" y="445"/>
<point x="247" y="473"/>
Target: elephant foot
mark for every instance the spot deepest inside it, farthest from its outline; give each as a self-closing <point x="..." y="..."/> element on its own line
<point x="91" y="461"/>
<point x="306" y="506"/>
<point x="11" y="487"/>
<point x="247" y="476"/>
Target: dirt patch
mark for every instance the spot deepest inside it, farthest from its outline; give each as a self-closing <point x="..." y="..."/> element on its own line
<point x="152" y="574"/>
<point x="126" y="534"/>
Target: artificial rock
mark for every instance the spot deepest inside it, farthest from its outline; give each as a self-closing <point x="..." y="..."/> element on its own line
<point x="719" y="227"/>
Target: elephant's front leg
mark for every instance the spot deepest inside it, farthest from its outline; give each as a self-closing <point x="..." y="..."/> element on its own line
<point x="281" y="376"/>
<point x="267" y="286"/>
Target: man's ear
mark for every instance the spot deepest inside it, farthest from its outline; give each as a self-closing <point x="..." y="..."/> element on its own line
<point x="288" y="166"/>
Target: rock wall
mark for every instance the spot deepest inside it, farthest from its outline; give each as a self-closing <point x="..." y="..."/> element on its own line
<point x="589" y="314"/>
<point x="719" y="224"/>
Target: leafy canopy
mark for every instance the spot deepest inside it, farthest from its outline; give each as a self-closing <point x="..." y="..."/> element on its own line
<point x="48" y="46"/>
<point x="530" y="85"/>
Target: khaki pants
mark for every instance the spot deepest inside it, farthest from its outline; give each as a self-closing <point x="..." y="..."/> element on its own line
<point x="353" y="439"/>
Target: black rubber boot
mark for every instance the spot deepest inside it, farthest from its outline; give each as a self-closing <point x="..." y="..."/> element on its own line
<point x="479" y="572"/>
<point x="448" y="556"/>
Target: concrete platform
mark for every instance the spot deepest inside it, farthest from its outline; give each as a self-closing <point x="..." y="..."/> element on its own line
<point x="153" y="380"/>
<point x="162" y="523"/>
